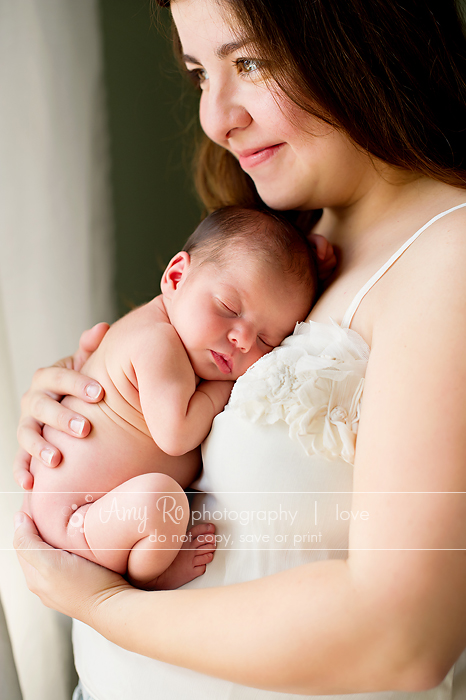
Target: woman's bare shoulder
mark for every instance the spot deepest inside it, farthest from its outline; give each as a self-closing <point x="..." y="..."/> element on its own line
<point x="428" y="279"/>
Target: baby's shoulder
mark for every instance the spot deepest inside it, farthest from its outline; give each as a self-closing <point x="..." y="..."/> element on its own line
<point x="147" y="319"/>
<point x="145" y="326"/>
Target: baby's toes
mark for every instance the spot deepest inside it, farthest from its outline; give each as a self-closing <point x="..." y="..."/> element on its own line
<point x="201" y="530"/>
<point x="208" y="548"/>
<point x="206" y="541"/>
<point x="199" y="535"/>
<point x="203" y="559"/>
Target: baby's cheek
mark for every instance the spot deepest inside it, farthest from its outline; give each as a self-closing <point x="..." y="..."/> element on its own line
<point x="260" y="353"/>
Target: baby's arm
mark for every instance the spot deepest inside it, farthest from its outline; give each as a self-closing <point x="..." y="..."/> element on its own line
<point x="178" y="415"/>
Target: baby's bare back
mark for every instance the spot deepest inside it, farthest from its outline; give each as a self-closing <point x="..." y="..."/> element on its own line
<point x="119" y="446"/>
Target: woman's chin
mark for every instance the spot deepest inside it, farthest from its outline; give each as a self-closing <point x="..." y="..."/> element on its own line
<point x="282" y="197"/>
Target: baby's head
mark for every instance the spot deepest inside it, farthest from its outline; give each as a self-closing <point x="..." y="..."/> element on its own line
<point x="242" y="282"/>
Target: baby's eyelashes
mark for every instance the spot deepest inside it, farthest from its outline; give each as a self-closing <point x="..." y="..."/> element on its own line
<point x="228" y="308"/>
<point x="265" y="342"/>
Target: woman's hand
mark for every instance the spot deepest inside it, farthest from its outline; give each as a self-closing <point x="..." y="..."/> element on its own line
<point x="40" y="406"/>
<point x="63" y="581"/>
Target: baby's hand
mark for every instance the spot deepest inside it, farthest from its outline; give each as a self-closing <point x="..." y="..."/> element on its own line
<point x="326" y="258"/>
<point x="218" y="392"/>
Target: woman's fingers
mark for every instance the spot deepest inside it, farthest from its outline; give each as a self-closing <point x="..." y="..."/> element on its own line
<point x="60" y="381"/>
<point x="39" y="406"/>
<point x="63" y="581"/>
<point x="21" y="473"/>
<point x="45" y="410"/>
<point x="32" y="443"/>
<point x="27" y="540"/>
<point x="88" y="343"/>
<point x="36" y="557"/>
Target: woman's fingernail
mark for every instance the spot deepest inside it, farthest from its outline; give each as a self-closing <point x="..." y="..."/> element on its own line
<point x="47" y="455"/>
<point x="77" y="425"/>
<point x="18" y="520"/>
<point x="92" y="391"/>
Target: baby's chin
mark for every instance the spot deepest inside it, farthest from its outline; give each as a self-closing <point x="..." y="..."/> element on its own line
<point x="211" y="372"/>
<point x="215" y="375"/>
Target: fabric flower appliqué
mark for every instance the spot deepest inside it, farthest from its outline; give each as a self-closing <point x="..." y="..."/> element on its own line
<point x="314" y="382"/>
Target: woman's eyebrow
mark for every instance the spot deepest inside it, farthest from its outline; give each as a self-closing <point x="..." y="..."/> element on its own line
<point x="190" y="59"/>
<point x="227" y="49"/>
<point x="221" y="52"/>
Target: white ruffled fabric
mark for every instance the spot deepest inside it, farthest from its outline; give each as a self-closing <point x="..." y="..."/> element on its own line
<point x="314" y="382"/>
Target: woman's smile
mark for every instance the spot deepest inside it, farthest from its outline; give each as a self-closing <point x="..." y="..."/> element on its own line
<point x="252" y="157"/>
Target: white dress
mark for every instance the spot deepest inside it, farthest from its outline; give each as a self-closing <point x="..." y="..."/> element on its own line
<point x="277" y="466"/>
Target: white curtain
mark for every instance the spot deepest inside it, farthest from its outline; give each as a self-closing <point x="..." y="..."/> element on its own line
<point x="55" y="271"/>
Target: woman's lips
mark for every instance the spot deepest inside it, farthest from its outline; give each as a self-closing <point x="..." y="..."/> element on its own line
<point x="251" y="158"/>
<point x="223" y="362"/>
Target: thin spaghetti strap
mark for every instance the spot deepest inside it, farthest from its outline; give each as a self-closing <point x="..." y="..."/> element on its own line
<point x="353" y="307"/>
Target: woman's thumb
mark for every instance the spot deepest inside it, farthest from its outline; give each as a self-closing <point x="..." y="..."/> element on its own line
<point x="18" y="520"/>
<point x="26" y="538"/>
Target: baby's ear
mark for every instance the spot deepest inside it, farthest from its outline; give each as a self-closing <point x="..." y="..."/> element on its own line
<point x="175" y="271"/>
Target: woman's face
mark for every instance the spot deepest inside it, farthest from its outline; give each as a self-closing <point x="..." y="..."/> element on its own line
<point x="295" y="160"/>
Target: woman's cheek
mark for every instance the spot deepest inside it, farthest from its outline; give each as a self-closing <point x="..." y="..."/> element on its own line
<point x="204" y="117"/>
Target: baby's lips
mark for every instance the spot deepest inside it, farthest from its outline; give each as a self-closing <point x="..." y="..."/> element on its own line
<point x="223" y="362"/>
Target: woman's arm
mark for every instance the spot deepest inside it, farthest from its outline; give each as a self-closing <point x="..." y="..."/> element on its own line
<point x="288" y="632"/>
<point x="40" y="406"/>
<point x="392" y="615"/>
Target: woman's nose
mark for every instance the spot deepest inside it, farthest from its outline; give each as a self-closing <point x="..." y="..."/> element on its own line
<point x="221" y="112"/>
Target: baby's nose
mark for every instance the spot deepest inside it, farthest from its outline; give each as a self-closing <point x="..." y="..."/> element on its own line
<point x="242" y="337"/>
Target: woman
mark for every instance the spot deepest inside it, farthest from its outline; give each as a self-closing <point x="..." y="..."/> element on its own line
<point x="356" y="108"/>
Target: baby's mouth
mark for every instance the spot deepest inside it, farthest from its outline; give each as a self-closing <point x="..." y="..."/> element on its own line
<point x="223" y="362"/>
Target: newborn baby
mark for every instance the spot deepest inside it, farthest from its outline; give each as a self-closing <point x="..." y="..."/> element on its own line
<point x="242" y="282"/>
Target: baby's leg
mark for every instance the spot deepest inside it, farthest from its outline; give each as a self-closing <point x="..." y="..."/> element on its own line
<point x="139" y="526"/>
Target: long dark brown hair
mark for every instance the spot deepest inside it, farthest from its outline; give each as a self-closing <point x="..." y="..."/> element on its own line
<point x="391" y="75"/>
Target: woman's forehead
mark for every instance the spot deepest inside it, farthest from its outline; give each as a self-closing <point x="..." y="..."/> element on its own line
<point x="206" y="19"/>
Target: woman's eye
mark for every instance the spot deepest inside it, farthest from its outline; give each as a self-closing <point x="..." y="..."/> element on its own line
<point x="198" y="76"/>
<point x="247" y="65"/>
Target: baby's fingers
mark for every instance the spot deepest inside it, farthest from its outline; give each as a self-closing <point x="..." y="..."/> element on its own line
<point x="326" y="258"/>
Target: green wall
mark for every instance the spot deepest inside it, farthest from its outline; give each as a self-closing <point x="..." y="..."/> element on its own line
<point x="152" y="115"/>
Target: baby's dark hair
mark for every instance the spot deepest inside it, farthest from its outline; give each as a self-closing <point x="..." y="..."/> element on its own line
<point x="263" y="233"/>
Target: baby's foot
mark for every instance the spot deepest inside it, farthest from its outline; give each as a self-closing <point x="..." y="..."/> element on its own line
<point x="191" y="560"/>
